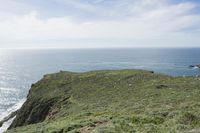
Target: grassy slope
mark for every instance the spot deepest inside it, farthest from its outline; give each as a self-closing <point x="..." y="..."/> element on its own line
<point x="111" y="101"/>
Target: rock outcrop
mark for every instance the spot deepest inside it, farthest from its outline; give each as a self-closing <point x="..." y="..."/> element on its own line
<point x="195" y="66"/>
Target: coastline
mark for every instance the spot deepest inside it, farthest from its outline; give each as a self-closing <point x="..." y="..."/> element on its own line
<point x="8" y="116"/>
<point x="70" y="98"/>
<point x="6" y="125"/>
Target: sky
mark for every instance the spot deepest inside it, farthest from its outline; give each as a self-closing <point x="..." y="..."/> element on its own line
<point x="99" y="23"/>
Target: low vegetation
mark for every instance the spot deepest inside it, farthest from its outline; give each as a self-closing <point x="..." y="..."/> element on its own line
<point x="117" y="101"/>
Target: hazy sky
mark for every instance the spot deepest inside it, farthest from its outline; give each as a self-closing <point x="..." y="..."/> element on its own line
<point x="99" y="23"/>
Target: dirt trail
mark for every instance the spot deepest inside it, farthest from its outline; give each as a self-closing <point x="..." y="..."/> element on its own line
<point x="89" y="129"/>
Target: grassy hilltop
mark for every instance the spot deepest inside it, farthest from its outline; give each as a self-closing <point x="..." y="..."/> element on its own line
<point x="121" y="101"/>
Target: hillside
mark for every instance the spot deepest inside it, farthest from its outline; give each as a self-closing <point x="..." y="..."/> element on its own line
<point x="113" y="101"/>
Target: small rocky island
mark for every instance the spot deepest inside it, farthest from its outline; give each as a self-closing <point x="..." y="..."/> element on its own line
<point x="110" y="102"/>
<point x="192" y="66"/>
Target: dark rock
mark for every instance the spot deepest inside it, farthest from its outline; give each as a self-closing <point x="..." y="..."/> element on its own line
<point x="32" y="112"/>
<point x="151" y="71"/>
<point x="192" y="66"/>
<point x="161" y="86"/>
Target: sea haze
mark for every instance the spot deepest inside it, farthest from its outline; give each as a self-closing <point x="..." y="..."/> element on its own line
<point x="20" y="68"/>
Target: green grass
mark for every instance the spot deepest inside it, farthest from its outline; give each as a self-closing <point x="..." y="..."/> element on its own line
<point x="117" y="101"/>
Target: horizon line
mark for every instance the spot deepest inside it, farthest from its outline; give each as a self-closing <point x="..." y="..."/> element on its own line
<point x="93" y="47"/>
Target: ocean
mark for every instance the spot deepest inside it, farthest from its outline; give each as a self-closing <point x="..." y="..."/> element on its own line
<point x="19" y="68"/>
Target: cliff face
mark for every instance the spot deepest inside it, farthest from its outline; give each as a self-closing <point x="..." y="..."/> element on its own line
<point x="43" y="98"/>
<point x="110" y="101"/>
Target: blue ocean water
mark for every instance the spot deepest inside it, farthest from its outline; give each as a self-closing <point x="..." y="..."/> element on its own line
<point x="20" y="68"/>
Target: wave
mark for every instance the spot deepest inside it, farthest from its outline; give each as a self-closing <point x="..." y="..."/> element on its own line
<point x="7" y="113"/>
<point x="6" y="125"/>
<point x="195" y="67"/>
<point x="7" y="89"/>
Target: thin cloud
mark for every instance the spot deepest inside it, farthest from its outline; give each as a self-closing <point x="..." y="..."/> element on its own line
<point x="144" y="20"/>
